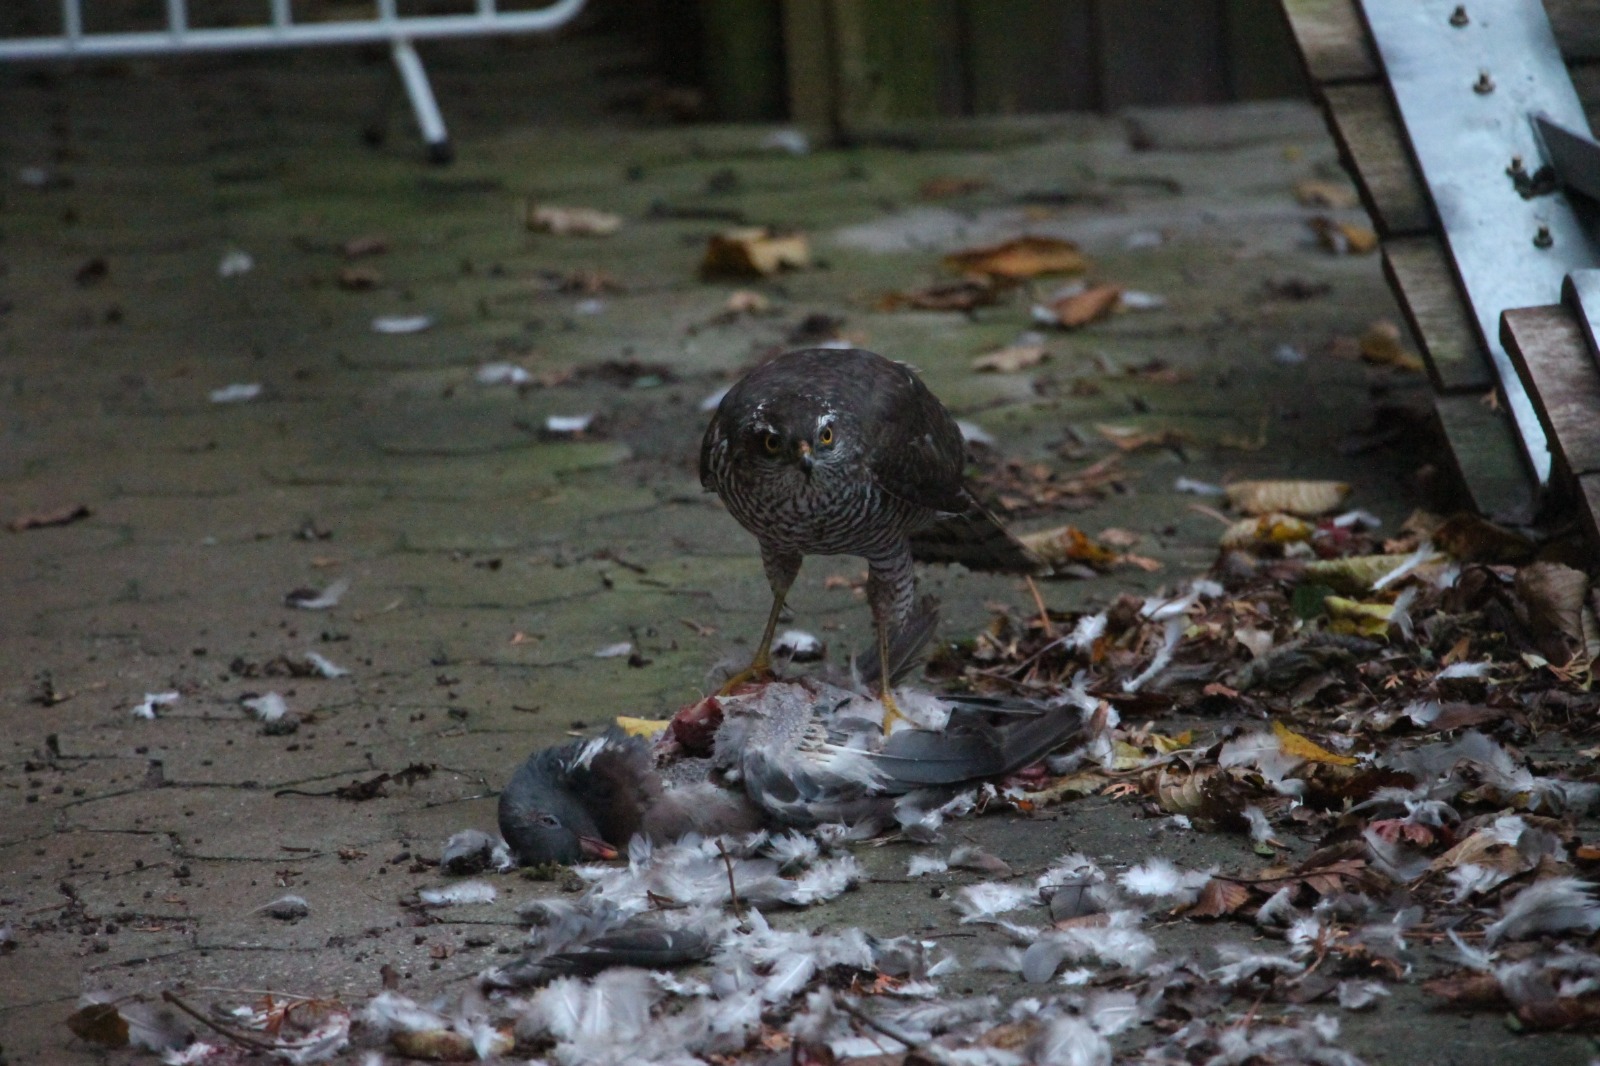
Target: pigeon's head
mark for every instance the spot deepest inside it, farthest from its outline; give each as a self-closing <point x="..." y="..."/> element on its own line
<point x="544" y="823"/>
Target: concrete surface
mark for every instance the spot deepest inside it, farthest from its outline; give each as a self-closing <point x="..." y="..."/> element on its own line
<point x="486" y="563"/>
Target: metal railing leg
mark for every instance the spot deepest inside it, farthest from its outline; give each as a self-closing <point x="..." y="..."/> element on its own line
<point x="429" y="121"/>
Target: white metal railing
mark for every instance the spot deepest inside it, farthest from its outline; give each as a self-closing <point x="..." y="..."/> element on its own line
<point x="281" y="31"/>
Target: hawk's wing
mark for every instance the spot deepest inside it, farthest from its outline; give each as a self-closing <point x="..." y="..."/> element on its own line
<point x="914" y="449"/>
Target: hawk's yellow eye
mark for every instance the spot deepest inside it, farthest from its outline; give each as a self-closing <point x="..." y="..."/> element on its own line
<point x="771" y="441"/>
<point x="826" y="436"/>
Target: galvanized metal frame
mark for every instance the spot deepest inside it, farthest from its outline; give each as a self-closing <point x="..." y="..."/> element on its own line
<point x="1467" y="80"/>
<point x="386" y="25"/>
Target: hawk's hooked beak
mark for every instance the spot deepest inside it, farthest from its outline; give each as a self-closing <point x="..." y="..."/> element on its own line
<point x="803" y="456"/>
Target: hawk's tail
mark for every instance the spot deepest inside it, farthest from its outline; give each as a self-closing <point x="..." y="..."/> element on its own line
<point x="976" y="540"/>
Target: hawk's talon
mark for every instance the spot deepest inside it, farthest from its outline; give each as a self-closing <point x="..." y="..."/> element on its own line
<point x="755" y="672"/>
<point x="891" y="712"/>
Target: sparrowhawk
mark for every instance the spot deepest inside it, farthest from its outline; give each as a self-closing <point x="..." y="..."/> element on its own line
<point x="842" y="452"/>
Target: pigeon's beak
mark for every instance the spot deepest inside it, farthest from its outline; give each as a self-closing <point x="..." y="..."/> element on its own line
<point x="594" y="848"/>
<point x="803" y="456"/>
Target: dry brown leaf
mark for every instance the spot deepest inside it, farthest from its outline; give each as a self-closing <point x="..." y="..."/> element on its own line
<point x="1307" y="499"/>
<point x="100" y="1023"/>
<point x="1134" y="439"/>
<point x="1344" y="238"/>
<point x="1483" y="849"/>
<point x="1315" y="192"/>
<point x="747" y="302"/>
<point x="366" y="244"/>
<point x="1068" y="544"/>
<point x="1556" y="598"/>
<point x="1467" y="989"/>
<point x="1090" y="305"/>
<point x="46" y="519"/>
<point x="573" y="221"/>
<point x="446" y="1045"/>
<point x="1219" y="898"/>
<point x="359" y="279"/>
<point x="947" y="187"/>
<point x="946" y="296"/>
<point x="1021" y="258"/>
<point x="1304" y="748"/>
<point x="1382" y="344"/>
<point x="1471" y="539"/>
<point x="1012" y="359"/>
<point x="1115" y="537"/>
<point x="754" y="251"/>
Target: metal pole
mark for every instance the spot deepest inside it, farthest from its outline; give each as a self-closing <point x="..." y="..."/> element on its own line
<point x="71" y="21"/>
<point x="415" y="78"/>
<point x="177" y="18"/>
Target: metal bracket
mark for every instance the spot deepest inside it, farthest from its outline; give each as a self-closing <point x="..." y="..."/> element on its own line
<point x="1466" y="78"/>
<point x="1574" y="156"/>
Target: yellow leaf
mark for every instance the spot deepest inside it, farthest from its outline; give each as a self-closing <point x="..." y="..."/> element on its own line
<point x="1265" y="531"/>
<point x="1126" y="757"/>
<point x="1167" y="745"/>
<point x="1361" y="619"/>
<point x="641" y="727"/>
<point x="1353" y="573"/>
<point x="1301" y="748"/>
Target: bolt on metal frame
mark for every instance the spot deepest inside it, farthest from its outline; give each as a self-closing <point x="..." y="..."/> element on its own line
<point x="1482" y="92"/>
<point x="280" y="30"/>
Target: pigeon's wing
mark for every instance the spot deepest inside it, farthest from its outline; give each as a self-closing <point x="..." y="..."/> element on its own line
<point x="615" y="780"/>
<point x="980" y="741"/>
<point x="778" y="739"/>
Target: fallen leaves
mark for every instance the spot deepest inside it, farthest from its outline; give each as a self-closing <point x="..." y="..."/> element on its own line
<point x="63" y="516"/>
<point x="965" y="295"/>
<point x="755" y="251"/>
<point x="1381" y="345"/>
<point x="1010" y="360"/>
<point x="572" y="221"/>
<point x="1316" y="192"/>
<point x="1019" y="259"/>
<point x="1306" y="499"/>
<point x="1344" y="238"/>
<point x="1078" y="309"/>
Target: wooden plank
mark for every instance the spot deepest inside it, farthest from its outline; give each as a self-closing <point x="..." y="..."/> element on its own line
<point x="1577" y="28"/>
<point x="1161" y="52"/>
<point x="1335" y="47"/>
<point x="1031" y="55"/>
<point x="1588" y="495"/>
<point x="808" y="63"/>
<point x="887" y="58"/>
<point x="1419" y="271"/>
<point x="740" y="40"/>
<point x="1333" y="40"/>
<point x="1368" y="132"/>
<point x="1553" y="358"/>
<point x="1488" y="460"/>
